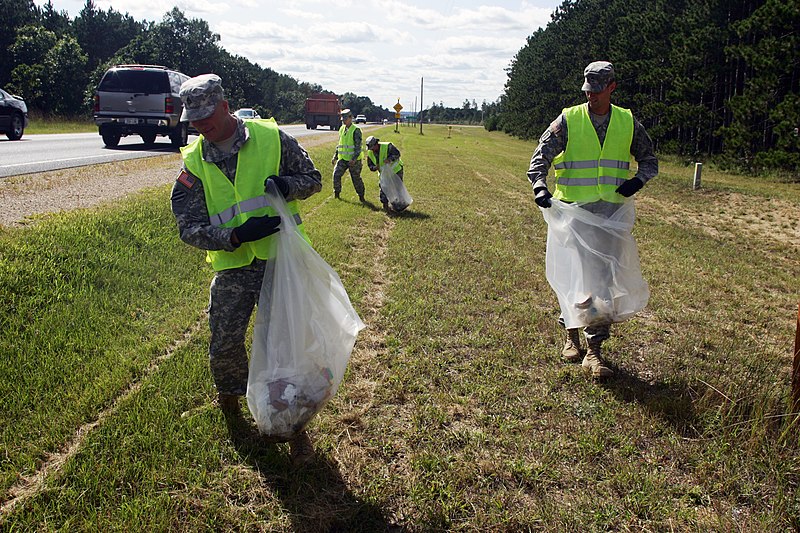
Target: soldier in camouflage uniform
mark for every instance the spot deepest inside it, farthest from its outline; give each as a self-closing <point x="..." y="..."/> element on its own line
<point x="347" y="156"/>
<point x="598" y="85"/>
<point x="236" y="286"/>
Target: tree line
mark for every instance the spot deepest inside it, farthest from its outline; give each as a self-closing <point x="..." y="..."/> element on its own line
<point x="55" y="62"/>
<point x="707" y="78"/>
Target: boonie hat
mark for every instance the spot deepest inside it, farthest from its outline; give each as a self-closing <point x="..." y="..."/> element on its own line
<point x="597" y="76"/>
<point x="200" y="96"/>
<point x="371" y="141"/>
<point x="346" y="113"/>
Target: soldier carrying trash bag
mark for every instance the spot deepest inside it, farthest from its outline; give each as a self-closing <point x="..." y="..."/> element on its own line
<point x="592" y="261"/>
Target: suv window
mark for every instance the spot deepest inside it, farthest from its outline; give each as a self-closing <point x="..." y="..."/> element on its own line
<point x="135" y="81"/>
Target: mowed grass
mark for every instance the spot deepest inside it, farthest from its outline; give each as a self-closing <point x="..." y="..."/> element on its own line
<point x="456" y="413"/>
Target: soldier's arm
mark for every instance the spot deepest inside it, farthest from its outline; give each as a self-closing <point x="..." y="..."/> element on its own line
<point x="551" y="143"/>
<point x="372" y="166"/>
<point x="302" y="176"/>
<point x="357" y="142"/>
<point x="642" y="151"/>
<point x="191" y="215"/>
<point x="393" y="154"/>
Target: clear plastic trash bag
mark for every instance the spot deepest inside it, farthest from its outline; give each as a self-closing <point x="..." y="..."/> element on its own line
<point x="592" y="264"/>
<point x="394" y="188"/>
<point x="302" y="341"/>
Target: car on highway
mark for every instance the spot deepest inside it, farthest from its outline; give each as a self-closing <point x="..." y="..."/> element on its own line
<point x="361" y="119"/>
<point x="140" y="100"/>
<point x="247" y="113"/>
<point x="13" y="115"/>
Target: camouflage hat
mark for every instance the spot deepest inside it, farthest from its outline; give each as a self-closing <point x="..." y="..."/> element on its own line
<point x="346" y="113"/>
<point x="371" y="141"/>
<point x="597" y="76"/>
<point x="200" y="96"/>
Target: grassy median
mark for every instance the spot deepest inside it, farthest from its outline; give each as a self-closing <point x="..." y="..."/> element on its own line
<point x="456" y="413"/>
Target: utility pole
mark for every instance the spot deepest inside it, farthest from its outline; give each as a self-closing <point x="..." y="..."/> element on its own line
<point x="420" y="105"/>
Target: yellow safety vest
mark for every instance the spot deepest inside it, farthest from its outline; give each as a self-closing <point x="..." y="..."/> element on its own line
<point x="382" y="154"/>
<point x="586" y="171"/>
<point x="347" y="145"/>
<point x="231" y="204"/>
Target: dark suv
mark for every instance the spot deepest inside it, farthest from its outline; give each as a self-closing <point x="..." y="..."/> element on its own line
<point x="140" y="100"/>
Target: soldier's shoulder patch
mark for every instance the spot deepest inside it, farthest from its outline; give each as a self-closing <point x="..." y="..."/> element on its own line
<point x="186" y="179"/>
<point x="555" y="126"/>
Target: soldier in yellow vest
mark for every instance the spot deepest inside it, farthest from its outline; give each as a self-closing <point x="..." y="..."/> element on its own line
<point x="380" y="153"/>
<point x="347" y="156"/>
<point x="590" y="146"/>
<point x="219" y="205"/>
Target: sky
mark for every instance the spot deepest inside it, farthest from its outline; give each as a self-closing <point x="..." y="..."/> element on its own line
<point x="383" y="49"/>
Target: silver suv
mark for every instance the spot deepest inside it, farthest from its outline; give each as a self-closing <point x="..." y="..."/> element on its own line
<point x="140" y="100"/>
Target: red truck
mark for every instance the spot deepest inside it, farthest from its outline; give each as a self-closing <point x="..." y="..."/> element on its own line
<point x="323" y="110"/>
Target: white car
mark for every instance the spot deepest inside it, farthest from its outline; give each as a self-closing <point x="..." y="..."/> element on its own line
<point x="247" y="113"/>
<point x="361" y="119"/>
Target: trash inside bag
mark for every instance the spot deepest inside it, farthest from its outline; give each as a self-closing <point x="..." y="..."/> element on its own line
<point x="304" y="333"/>
<point x="394" y="189"/>
<point x="592" y="264"/>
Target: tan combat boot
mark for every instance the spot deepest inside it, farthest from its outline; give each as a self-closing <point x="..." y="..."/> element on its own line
<point x="229" y="403"/>
<point x="572" y="348"/>
<point x="592" y="362"/>
<point x="301" y="450"/>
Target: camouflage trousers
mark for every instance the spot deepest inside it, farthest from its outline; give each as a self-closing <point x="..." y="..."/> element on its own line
<point x="355" y="174"/>
<point x="234" y="295"/>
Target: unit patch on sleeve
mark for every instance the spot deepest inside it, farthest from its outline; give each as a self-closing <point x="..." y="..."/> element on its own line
<point x="186" y="179"/>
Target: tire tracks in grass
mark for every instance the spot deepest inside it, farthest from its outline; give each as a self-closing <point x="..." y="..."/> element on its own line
<point x="32" y="484"/>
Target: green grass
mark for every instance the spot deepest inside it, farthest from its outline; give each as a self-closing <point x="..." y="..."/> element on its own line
<point x="456" y="412"/>
<point x="41" y="124"/>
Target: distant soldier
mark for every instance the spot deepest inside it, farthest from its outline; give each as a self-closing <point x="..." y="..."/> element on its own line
<point x="382" y="153"/>
<point x="218" y="202"/>
<point x="590" y="146"/>
<point x="348" y="156"/>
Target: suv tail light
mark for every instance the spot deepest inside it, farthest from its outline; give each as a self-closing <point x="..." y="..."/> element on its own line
<point x="169" y="107"/>
<point x="96" y="99"/>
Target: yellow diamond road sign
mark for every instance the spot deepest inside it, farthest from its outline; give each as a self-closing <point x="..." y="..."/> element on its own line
<point x="397" y="106"/>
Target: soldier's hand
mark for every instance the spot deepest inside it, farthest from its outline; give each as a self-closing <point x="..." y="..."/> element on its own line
<point x="542" y="197"/>
<point x="281" y="183"/>
<point x="333" y="160"/>
<point x="630" y="187"/>
<point x="257" y="228"/>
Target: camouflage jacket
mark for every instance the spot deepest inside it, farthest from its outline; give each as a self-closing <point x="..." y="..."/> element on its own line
<point x="189" y="201"/>
<point x="554" y="141"/>
<point x="392" y="154"/>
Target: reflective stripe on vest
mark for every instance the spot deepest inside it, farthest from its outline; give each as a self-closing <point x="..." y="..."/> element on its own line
<point x="587" y="172"/>
<point x="347" y="144"/>
<point x="231" y="204"/>
<point x="383" y="153"/>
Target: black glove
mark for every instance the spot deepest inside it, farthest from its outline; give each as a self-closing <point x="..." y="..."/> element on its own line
<point x="543" y="196"/>
<point x="629" y="187"/>
<point x="281" y="182"/>
<point x="257" y="228"/>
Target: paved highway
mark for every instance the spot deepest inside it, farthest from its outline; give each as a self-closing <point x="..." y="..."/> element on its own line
<point x="40" y="153"/>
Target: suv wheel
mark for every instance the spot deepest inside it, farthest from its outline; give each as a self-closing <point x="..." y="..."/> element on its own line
<point x="17" y="128"/>
<point x="111" y="139"/>
<point x="180" y="137"/>
<point x="149" y="138"/>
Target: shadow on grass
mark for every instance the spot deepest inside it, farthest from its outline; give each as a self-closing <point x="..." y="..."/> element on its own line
<point x="672" y="403"/>
<point x="315" y="495"/>
<point x="409" y="214"/>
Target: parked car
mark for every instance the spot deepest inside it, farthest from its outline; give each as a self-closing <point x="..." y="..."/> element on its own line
<point x="247" y="113"/>
<point x="361" y="119"/>
<point x="13" y="115"/>
<point x="140" y="100"/>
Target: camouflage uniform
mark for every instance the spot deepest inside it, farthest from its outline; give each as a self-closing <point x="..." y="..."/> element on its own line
<point x="234" y="292"/>
<point x="354" y="166"/>
<point x="554" y="141"/>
